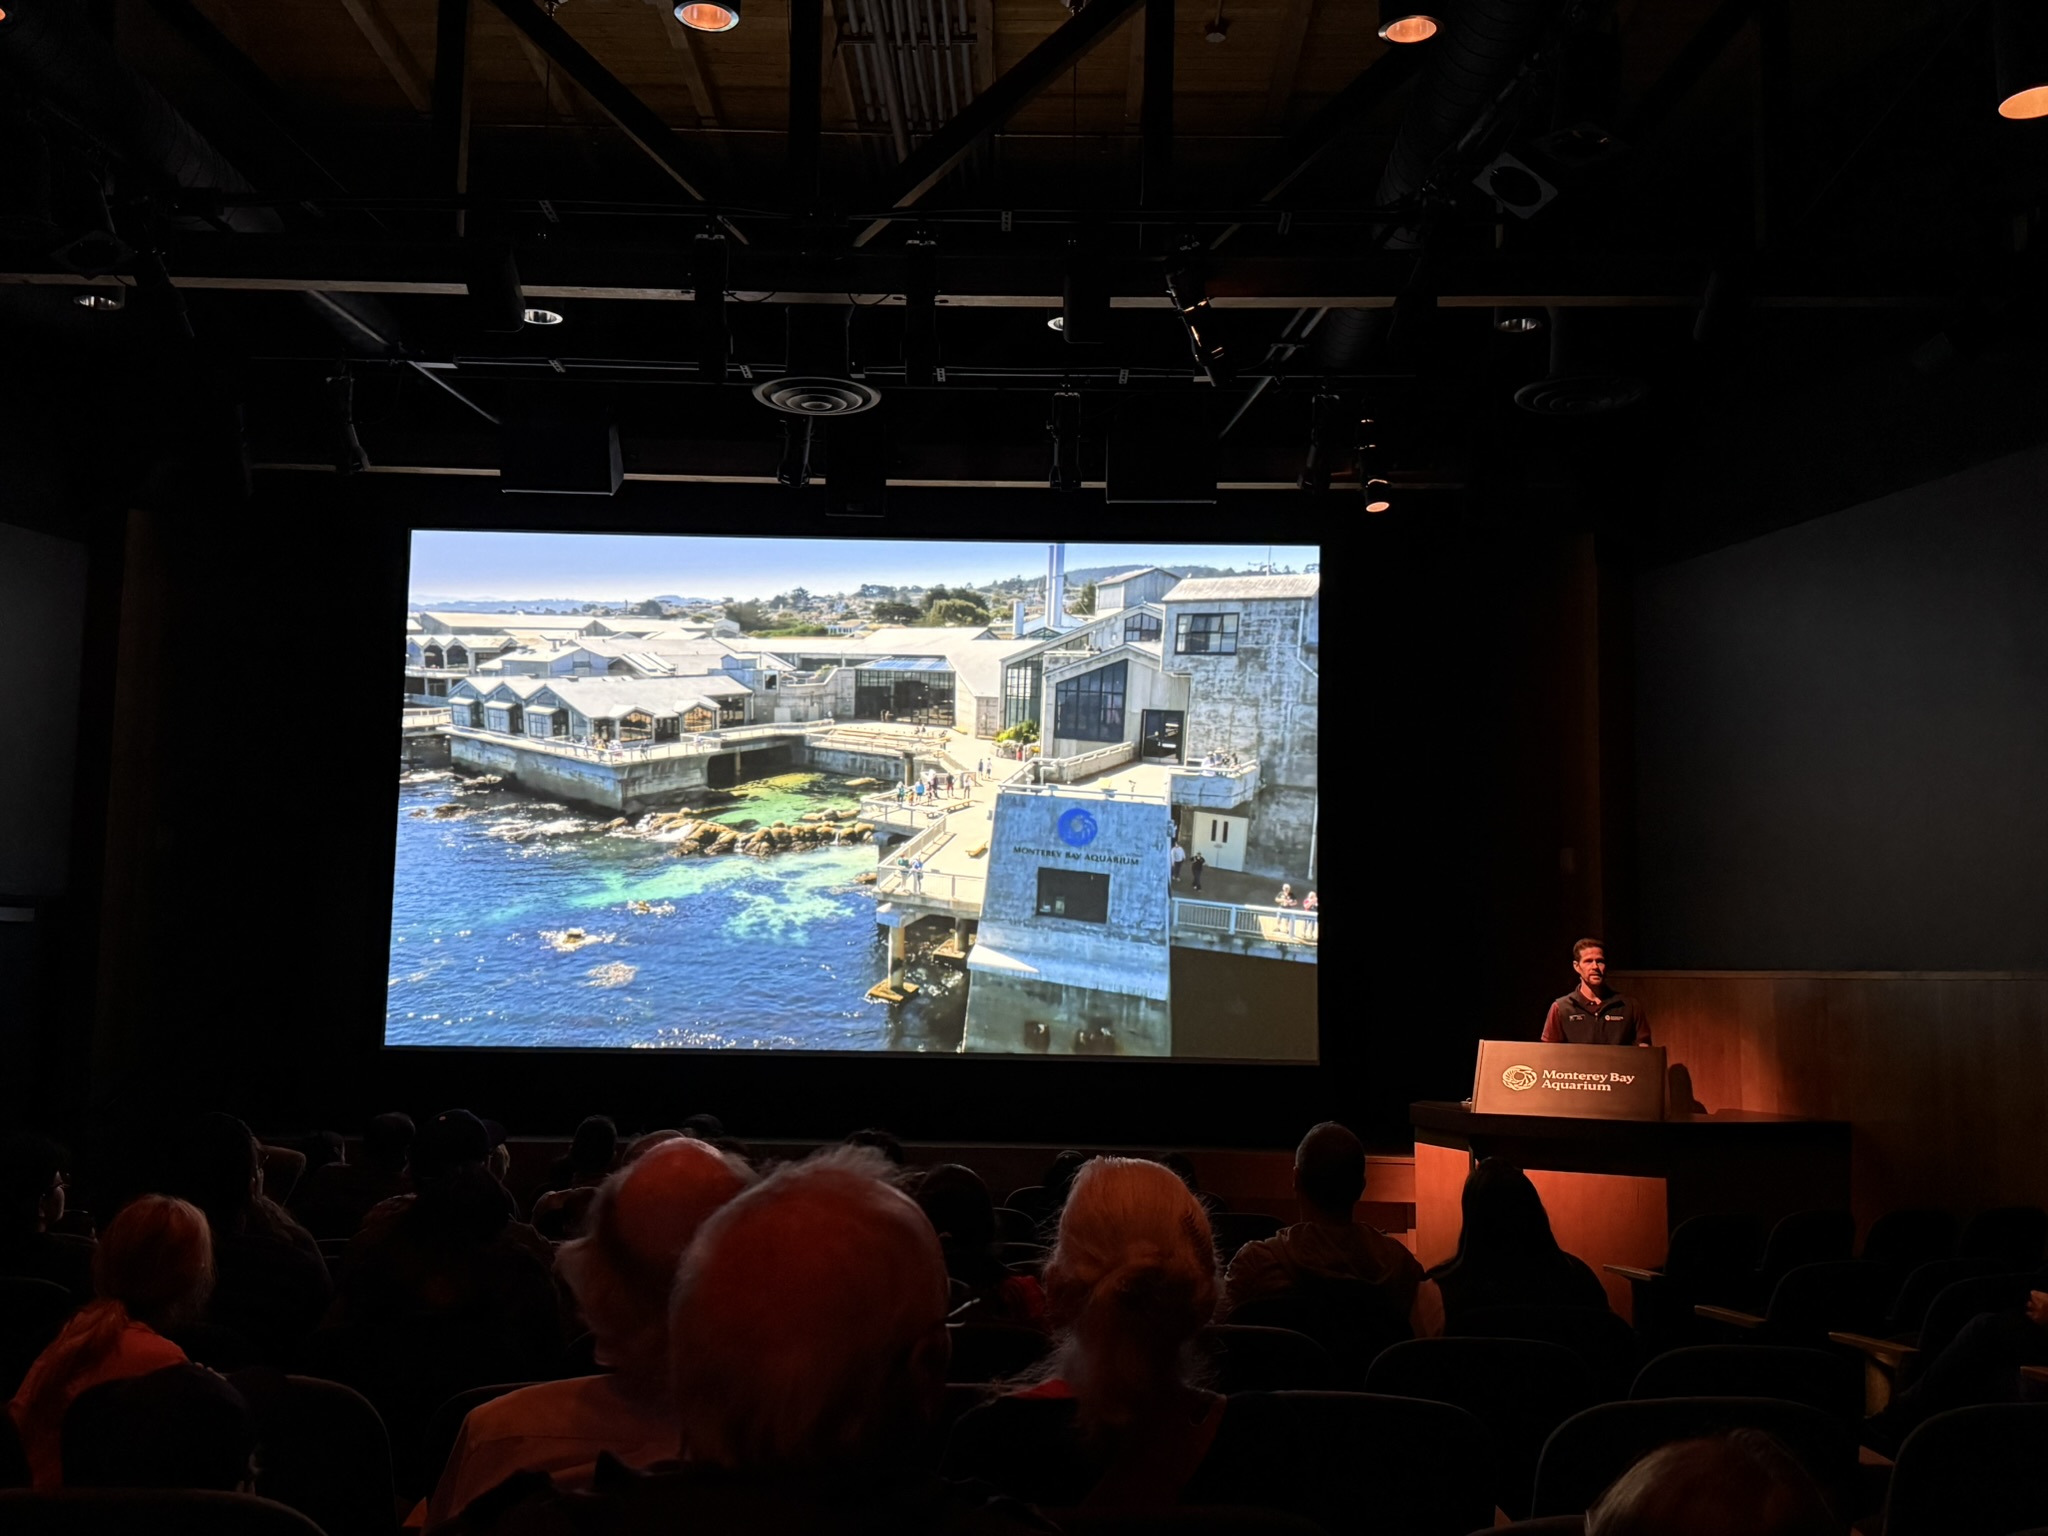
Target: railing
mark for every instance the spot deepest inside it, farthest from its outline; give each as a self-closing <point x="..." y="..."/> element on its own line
<point x="1279" y="925"/>
<point x="426" y="719"/>
<point x="696" y="745"/>
<point x="955" y="892"/>
<point x="1220" y="788"/>
<point x="1064" y="770"/>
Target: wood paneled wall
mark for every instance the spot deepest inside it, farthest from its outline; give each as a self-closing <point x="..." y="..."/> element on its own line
<point x="1944" y="1075"/>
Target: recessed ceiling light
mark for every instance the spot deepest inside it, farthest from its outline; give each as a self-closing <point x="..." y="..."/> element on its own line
<point x="1056" y="322"/>
<point x="2020" y="47"/>
<point x="709" y="15"/>
<point x="1412" y="28"/>
<point x="1517" y="322"/>
<point x="542" y="317"/>
<point x="93" y="301"/>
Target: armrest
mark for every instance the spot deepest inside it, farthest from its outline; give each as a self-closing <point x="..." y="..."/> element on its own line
<point x="1633" y="1275"/>
<point x="1890" y="1353"/>
<point x="2034" y="1373"/>
<point x="1728" y="1315"/>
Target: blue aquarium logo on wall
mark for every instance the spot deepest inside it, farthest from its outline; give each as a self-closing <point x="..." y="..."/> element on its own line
<point x="1077" y="828"/>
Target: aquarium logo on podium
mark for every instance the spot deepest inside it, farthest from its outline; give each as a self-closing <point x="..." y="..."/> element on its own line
<point x="1077" y="828"/>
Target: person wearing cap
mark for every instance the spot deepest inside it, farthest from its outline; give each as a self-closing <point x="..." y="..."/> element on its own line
<point x="331" y="1201"/>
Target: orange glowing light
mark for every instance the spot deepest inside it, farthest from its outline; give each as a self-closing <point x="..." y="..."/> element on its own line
<point x="1410" y="29"/>
<point x="707" y="16"/>
<point x="2031" y="102"/>
<point x="1379" y="506"/>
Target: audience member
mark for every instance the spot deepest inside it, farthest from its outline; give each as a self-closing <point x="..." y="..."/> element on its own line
<point x="1115" y="1426"/>
<point x="180" y="1427"/>
<point x="1980" y="1364"/>
<point x="560" y="1211"/>
<point x="1739" y="1482"/>
<point x="153" y="1269"/>
<point x="704" y="1127"/>
<point x="32" y="1196"/>
<point x="1507" y="1255"/>
<point x="621" y="1275"/>
<point x="957" y="1203"/>
<point x="499" y="1163"/>
<point x="332" y="1200"/>
<point x="643" y="1145"/>
<point x="879" y="1140"/>
<point x="271" y="1284"/>
<point x="1355" y="1287"/>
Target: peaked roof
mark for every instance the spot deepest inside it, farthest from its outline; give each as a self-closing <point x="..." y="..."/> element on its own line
<point x="1208" y="589"/>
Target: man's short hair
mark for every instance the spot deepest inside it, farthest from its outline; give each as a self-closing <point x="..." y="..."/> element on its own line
<point x="387" y="1140"/>
<point x="1329" y="1167"/>
<point x="1741" y="1481"/>
<point x="808" y="1330"/>
<point x="1583" y="945"/>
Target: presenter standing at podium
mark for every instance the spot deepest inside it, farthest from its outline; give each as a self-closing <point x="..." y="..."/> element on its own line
<point x="1592" y="1014"/>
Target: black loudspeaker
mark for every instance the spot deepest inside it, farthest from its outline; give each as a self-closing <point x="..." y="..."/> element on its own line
<point x="573" y="458"/>
<point x="1162" y="448"/>
<point x="857" y="467"/>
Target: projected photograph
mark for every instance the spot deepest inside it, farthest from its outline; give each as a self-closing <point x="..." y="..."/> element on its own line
<point x="679" y="793"/>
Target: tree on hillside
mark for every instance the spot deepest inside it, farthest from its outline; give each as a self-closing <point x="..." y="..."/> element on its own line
<point x="1082" y="603"/>
<point x="747" y="615"/>
<point x="956" y="611"/>
<point x="647" y="608"/>
<point x="895" y="613"/>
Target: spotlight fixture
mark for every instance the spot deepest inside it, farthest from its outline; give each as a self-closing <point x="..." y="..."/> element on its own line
<point x="1373" y="483"/>
<point x="1056" y="322"/>
<point x="97" y="300"/>
<point x="1517" y="322"/>
<point x="1325" y="425"/>
<point x="2020" y="41"/>
<point x="794" y="470"/>
<point x="1219" y="30"/>
<point x="541" y="317"/>
<point x="1190" y="296"/>
<point x="1408" y="27"/>
<point x="708" y="15"/>
<point x="497" y="302"/>
<point x="349" y="458"/>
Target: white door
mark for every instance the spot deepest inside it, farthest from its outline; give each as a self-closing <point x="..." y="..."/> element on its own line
<point x="1218" y="839"/>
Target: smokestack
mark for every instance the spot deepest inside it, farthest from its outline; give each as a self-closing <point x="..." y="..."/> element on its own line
<point x="1017" y="619"/>
<point x="1056" y="587"/>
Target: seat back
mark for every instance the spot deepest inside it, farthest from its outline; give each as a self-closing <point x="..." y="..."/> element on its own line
<point x="1972" y="1472"/>
<point x="1812" y="1300"/>
<point x="216" y="1346"/>
<point x="1926" y="1281"/>
<point x="322" y="1450"/>
<point x="1190" y="1522"/>
<point x="1815" y="1377"/>
<point x="1014" y="1226"/>
<point x="1428" y="1466"/>
<point x="994" y="1351"/>
<point x="1964" y="1299"/>
<point x="148" y="1512"/>
<point x="1711" y="1256"/>
<point x="1594" y="1334"/>
<point x="1909" y="1238"/>
<point x="1520" y="1389"/>
<point x="32" y="1314"/>
<point x="1233" y="1229"/>
<point x="1592" y="1449"/>
<point x="2016" y="1235"/>
<point x="1352" y="1320"/>
<point x="1804" y="1237"/>
<point x="1243" y="1358"/>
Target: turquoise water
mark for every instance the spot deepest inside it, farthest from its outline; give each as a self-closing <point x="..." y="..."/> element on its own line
<point x="731" y="952"/>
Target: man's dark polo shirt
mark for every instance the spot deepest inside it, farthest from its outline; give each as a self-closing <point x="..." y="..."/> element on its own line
<point x="1615" y="1020"/>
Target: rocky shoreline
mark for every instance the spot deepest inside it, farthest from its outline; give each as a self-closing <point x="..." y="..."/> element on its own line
<point x="693" y="836"/>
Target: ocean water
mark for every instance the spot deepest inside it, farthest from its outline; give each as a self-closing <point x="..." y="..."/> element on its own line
<point x="722" y="953"/>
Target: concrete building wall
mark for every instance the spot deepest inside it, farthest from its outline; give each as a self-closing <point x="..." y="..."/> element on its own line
<point x="887" y="767"/>
<point x="1264" y="700"/>
<point x="627" y="787"/>
<point x="1148" y="588"/>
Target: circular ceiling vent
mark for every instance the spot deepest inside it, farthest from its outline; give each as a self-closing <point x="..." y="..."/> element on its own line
<point x="799" y="396"/>
<point x="1590" y="394"/>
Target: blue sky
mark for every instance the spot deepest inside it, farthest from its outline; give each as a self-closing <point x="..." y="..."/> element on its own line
<point x="608" y="567"/>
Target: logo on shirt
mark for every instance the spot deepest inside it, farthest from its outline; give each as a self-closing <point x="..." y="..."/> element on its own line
<point x="1077" y="828"/>
<point x="1521" y="1079"/>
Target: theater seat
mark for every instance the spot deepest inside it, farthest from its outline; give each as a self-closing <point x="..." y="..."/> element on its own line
<point x="994" y="1351"/>
<point x="1591" y="1449"/>
<point x="1549" y="1525"/>
<point x="13" y="1460"/>
<point x="148" y="1512"/>
<point x="1193" y="1522"/>
<point x="32" y="1313"/>
<point x="323" y="1452"/>
<point x="1811" y="1376"/>
<point x="1242" y="1358"/>
<point x="1812" y="1301"/>
<point x="1233" y="1229"/>
<point x="1520" y="1389"/>
<point x="1972" y="1472"/>
<point x="1594" y="1334"/>
<point x="2015" y="1235"/>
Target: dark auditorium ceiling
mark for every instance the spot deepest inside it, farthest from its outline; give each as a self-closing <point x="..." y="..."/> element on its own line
<point x="1799" y="230"/>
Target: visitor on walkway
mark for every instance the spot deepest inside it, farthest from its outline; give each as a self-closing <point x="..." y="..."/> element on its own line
<point x="1195" y="867"/>
<point x="1178" y="856"/>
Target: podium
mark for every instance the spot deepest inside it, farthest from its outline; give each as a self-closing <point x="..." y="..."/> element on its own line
<point x="1582" y="1082"/>
<point x="1615" y="1187"/>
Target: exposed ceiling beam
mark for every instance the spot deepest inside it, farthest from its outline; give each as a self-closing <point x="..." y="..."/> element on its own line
<point x="683" y="44"/>
<point x="984" y="46"/>
<point x="1295" y="19"/>
<point x="1344" y="111"/>
<point x="1684" y="72"/>
<point x="391" y="51"/>
<point x="553" y="84"/>
<point x="452" y="24"/>
<point x="1156" y="119"/>
<point x="806" y="99"/>
<point x="635" y="118"/>
<point x="929" y="163"/>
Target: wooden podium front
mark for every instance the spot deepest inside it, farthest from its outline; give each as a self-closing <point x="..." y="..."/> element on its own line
<point x="1616" y="1188"/>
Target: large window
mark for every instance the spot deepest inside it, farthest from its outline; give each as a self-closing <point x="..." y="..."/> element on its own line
<point x="1021" y="699"/>
<point x="1141" y="626"/>
<point x="1073" y="894"/>
<point x="1091" y="707"/>
<point x="1206" y="634"/>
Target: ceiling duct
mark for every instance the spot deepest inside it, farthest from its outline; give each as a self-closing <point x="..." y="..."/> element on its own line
<point x="1469" y="62"/>
<point x="817" y="377"/>
<point x="1583" y="380"/>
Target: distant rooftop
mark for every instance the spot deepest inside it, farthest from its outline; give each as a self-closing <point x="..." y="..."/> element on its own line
<point x="1143" y="570"/>
<point x="1205" y="589"/>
